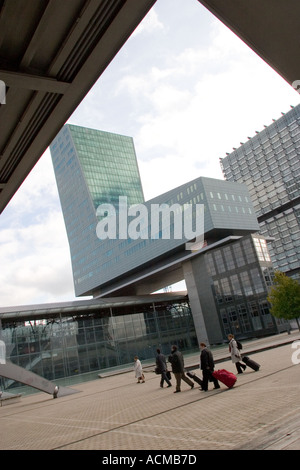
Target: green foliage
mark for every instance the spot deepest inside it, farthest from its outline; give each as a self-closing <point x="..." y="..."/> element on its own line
<point x="284" y="297"/>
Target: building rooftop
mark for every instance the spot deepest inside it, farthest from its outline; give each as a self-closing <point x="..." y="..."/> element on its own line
<point x="23" y="312"/>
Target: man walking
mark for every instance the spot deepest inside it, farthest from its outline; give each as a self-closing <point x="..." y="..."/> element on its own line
<point x="177" y="362"/>
<point x="207" y="366"/>
<point x="161" y="365"/>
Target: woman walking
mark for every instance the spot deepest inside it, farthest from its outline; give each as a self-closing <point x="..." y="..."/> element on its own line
<point x="138" y="370"/>
<point x="235" y="354"/>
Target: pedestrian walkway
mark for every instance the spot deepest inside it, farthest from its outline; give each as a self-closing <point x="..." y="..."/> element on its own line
<point x="115" y="413"/>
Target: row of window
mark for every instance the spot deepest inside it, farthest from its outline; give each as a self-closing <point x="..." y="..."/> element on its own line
<point x="235" y="209"/>
<point x="264" y="143"/>
<point x="245" y="283"/>
<point x="244" y="318"/>
<point x="231" y="257"/>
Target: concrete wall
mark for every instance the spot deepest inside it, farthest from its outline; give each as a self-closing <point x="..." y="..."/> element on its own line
<point x="202" y="302"/>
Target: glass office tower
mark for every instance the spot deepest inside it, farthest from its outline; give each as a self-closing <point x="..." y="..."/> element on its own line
<point x="269" y="165"/>
<point x="92" y="167"/>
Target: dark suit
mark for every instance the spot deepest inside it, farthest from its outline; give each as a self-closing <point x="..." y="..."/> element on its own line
<point x="177" y="362"/>
<point x="162" y="367"/>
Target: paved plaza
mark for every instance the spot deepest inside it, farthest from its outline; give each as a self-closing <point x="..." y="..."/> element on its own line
<point x="262" y="411"/>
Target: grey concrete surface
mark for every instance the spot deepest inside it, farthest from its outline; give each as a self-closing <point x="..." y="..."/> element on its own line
<point x="262" y="411"/>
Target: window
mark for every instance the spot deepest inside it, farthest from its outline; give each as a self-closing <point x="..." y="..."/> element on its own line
<point x="265" y="314"/>
<point x="239" y="257"/>
<point x="225" y="321"/>
<point x="256" y="281"/>
<point x="245" y="280"/>
<point x="218" y="292"/>
<point x="226" y="289"/>
<point x="210" y="264"/>
<point x="219" y="263"/>
<point x="261" y="249"/>
<point x="236" y="286"/>
<point x="255" y="316"/>
<point x="233" y="319"/>
<point x="268" y="274"/>
<point x="243" y="318"/>
<point x="228" y="258"/>
<point x="249" y="251"/>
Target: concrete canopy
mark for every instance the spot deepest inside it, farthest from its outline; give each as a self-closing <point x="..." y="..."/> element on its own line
<point x="51" y="54"/>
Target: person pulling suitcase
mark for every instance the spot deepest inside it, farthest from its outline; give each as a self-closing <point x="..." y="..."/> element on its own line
<point x="207" y="366"/>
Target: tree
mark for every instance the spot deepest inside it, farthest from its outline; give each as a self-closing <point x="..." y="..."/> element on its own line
<point x="284" y="297"/>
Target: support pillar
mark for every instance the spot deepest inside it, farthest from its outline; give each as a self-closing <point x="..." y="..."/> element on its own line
<point x="195" y="303"/>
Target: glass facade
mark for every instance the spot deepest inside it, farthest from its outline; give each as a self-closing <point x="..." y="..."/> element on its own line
<point x="109" y="165"/>
<point x="269" y="165"/>
<point x="60" y="344"/>
<point x="241" y="275"/>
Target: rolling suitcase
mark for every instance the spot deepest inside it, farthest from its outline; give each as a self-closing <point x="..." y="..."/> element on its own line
<point x="250" y="363"/>
<point x="195" y="378"/>
<point x="226" y="377"/>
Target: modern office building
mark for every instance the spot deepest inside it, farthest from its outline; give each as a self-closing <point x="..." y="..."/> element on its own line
<point x="147" y="261"/>
<point x="269" y="164"/>
<point x="91" y="168"/>
<point x="96" y="169"/>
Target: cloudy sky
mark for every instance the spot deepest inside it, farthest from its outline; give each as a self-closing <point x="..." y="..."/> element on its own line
<point x="187" y="90"/>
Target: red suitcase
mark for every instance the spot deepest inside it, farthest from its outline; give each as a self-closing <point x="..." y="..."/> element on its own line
<point x="227" y="378"/>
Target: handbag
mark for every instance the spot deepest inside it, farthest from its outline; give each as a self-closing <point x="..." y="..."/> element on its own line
<point x="168" y="374"/>
<point x="157" y="371"/>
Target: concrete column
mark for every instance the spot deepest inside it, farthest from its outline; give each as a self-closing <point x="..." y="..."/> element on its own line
<point x="195" y="303"/>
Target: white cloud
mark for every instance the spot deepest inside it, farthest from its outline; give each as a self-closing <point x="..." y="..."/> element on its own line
<point x="35" y="260"/>
<point x="190" y="124"/>
<point x="150" y="24"/>
<point x="34" y="251"/>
